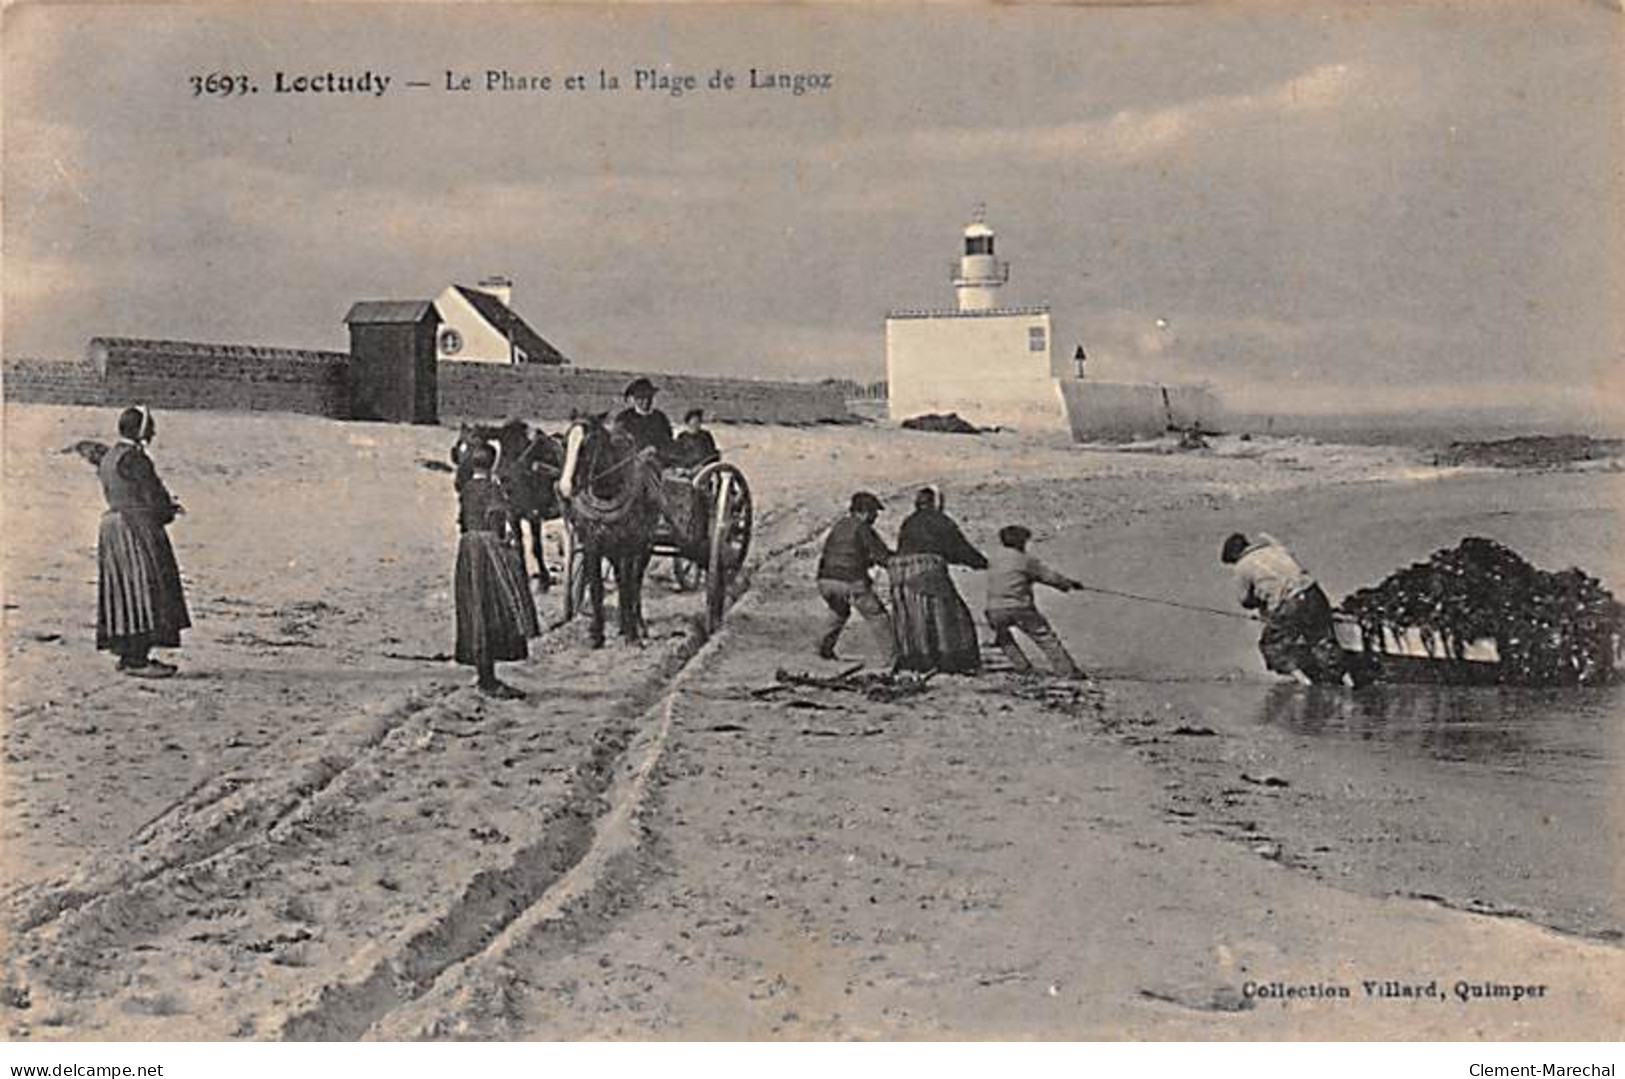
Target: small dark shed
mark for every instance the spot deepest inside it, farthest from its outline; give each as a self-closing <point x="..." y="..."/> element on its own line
<point x="392" y="361"/>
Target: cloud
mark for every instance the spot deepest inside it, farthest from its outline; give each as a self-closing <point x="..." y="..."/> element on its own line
<point x="1345" y="364"/>
<point x="1132" y="135"/>
<point x="35" y="280"/>
<point x="45" y="169"/>
<point x="1256" y="353"/>
<point x="1543" y="403"/>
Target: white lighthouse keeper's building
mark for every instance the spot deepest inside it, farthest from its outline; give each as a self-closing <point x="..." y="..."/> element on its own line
<point x="993" y="365"/>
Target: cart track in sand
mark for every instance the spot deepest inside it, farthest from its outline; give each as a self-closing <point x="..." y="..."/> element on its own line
<point x="110" y="952"/>
<point x="431" y="987"/>
<point x="183" y="835"/>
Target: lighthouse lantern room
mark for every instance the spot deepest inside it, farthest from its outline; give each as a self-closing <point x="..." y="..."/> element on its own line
<point x="979" y="275"/>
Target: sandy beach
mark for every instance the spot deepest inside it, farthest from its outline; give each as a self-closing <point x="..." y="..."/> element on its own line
<point x="320" y="831"/>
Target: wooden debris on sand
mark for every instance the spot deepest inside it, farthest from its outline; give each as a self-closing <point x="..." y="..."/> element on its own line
<point x="880" y="686"/>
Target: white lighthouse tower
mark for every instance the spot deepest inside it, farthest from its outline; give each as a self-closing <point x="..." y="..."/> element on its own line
<point x="987" y="361"/>
<point x="995" y="363"/>
<point x="979" y="274"/>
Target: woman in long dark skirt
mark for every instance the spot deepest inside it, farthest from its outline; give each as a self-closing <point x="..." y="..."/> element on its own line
<point x="140" y="604"/>
<point x="933" y="627"/>
<point x="495" y="614"/>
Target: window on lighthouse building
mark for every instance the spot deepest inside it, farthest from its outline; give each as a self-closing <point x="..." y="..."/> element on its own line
<point x="978" y="245"/>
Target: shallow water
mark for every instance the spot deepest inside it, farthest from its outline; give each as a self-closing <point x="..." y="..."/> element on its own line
<point x="1499" y="800"/>
<point x="1502" y="800"/>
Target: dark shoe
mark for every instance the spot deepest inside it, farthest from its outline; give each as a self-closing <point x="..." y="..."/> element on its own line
<point x="502" y="691"/>
<point x="151" y="670"/>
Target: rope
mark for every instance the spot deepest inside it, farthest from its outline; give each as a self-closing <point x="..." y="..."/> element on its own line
<point x="612" y="469"/>
<point x="1166" y="602"/>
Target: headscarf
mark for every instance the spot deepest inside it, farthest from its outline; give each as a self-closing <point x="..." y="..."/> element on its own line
<point x="135" y="423"/>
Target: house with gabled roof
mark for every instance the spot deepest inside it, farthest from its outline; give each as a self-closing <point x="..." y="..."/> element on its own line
<point x="479" y="325"/>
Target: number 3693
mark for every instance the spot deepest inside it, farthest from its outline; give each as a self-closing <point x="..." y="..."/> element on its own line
<point x="219" y="84"/>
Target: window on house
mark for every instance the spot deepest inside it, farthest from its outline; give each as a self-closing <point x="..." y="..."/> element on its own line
<point x="1036" y="339"/>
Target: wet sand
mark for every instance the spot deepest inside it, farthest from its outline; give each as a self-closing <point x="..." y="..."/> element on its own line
<point x="310" y="836"/>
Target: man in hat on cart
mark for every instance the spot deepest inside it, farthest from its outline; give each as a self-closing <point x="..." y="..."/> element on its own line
<point x="649" y="427"/>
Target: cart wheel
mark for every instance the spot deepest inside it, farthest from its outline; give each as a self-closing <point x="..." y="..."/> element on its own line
<point x="716" y="582"/>
<point x="736" y="506"/>
<point x="729" y="539"/>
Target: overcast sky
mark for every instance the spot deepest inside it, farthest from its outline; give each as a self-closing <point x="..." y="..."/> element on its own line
<point x="1333" y="207"/>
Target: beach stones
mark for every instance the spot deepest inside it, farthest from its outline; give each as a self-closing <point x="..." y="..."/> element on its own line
<point x="1550" y="629"/>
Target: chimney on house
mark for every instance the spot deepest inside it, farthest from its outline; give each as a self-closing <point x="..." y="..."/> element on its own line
<point x="499" y="286"/>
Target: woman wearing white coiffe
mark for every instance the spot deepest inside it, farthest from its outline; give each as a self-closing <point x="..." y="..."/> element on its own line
<point x="141" y="603"/>
<point x="495" y="615"/>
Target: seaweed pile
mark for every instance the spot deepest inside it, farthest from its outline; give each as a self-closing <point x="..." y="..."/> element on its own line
<point x="1549" y="629"/>
<point x="948" y="424"/>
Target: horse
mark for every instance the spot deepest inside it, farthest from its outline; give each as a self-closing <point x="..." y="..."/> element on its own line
<point x="612" y="500"/>
<point x="527" y="465"/>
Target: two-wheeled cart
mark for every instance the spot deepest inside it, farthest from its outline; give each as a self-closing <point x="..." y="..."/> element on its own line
<point x="705" y="529"/>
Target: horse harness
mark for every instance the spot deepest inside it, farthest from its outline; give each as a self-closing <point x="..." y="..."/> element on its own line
<point x="603" y="511"/>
